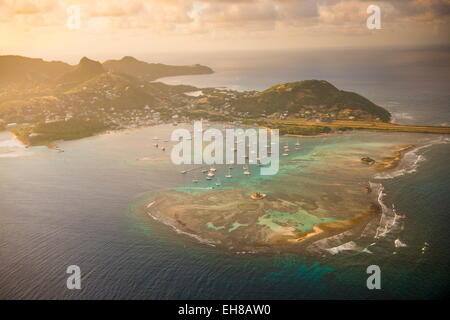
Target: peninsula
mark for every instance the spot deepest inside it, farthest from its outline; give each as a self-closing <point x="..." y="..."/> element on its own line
<point x="41" y="102"/>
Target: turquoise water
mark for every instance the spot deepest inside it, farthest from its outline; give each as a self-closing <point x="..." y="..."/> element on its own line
<point x="304" y="220"/>
<point x="82" y="206"/>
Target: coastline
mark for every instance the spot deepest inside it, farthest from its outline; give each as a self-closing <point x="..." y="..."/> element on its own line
<point x="356" y="125"/>
<point x="370" y="224"/>
<point x="392" y="162"/>
<point x="311" y="136"/>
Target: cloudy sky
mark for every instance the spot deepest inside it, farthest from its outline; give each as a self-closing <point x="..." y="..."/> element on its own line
<point x="116" y="27"/>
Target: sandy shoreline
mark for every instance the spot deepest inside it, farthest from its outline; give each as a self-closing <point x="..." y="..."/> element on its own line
<point x="391" y="162"/>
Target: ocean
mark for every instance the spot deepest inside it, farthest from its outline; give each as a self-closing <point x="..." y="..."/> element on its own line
<point x="84" y="206"/>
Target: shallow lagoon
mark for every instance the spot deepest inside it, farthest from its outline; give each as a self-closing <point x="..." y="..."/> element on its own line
<point x="83" y="206"/>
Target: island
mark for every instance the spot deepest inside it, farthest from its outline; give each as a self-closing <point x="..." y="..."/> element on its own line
<point x="42" y="102"/>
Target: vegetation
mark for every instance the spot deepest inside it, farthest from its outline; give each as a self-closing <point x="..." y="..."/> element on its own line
<point x="89" y="98"/>
<point x="311" y="97"/>
<point x="304" y="131"/>
<point x="44" y="133"/>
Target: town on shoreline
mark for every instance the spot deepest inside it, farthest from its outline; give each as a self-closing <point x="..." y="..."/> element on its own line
<point x="57" y="101"/>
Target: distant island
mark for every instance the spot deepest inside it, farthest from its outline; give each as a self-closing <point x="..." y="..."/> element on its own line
<point x="152" y="71"/>
<point x="41" y="102"/>
<point x="18" y="70"/>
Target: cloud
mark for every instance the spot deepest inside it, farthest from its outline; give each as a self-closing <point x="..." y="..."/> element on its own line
<point x="153" y="14"/>
<point x="114" y="8"/>
<point x="265" y="20"/>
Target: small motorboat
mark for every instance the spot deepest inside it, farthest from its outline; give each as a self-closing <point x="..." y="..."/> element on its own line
<point x="258" y="196"/>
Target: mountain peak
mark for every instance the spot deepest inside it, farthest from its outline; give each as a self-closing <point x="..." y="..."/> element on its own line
<point x="129" y="58"/>
<point x="86" y="69"/>
<point x="316" y="96"/>
<point x="87" y="61"/>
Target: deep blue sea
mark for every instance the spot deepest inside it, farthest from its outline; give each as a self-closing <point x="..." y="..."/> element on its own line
<point x="81" y="206"/>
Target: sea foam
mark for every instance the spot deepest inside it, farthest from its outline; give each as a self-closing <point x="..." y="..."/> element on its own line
<point x="411" y="160"/>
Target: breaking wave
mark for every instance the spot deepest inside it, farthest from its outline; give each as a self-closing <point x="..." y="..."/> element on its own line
<point x="11" y="148"/>
<point x="388" y="226"/>
<point x="397" y="117"/>
<point x="198" y="238"/>
<point x="390" y="220"/>
<point x="410" y="160"/>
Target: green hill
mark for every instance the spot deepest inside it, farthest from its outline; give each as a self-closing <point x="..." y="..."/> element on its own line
<point x="85" y="70"/>
<point x="311" y="97"/>
<point x="23" y="70"/>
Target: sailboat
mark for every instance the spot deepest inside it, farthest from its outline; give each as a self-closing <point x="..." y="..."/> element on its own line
<point x="297" y="145"/>
<point x="218" y="182"/>
<point x="229" y="174"/>
<point x="246" y="172"/>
